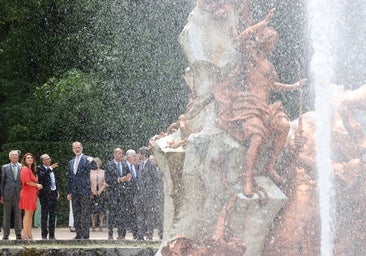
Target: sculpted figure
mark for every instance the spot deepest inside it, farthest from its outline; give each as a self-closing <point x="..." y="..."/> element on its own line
<point x="243" y="98"/>
<point x="297" y="230"/>
<point x="222" y="243"/>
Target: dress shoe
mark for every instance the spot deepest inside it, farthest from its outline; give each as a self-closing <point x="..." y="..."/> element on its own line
<point x="120" y="238"/>
<point x="52" y="238"/>
<point x="110" y="238"/>
<point x="19" y="237"/>
<point x="77" y="237"/>
<point x="5" y="237"/>
<point x="44" y="237"/>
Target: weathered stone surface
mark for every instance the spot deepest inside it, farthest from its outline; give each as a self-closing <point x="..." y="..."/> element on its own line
<point x="208" y="38"/>
<point x="77" y="247"/>
<point x="197" y="193"/>
<point x="201" y="194"/>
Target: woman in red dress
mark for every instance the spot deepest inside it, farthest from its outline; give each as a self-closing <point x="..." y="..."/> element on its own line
<point x="29" y="193"/>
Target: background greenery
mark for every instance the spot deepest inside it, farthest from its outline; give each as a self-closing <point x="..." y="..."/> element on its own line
<point x="106" y="73"/>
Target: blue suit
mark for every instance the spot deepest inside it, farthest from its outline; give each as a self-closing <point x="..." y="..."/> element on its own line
<point x="117" y="199"/>
<point x="78" y="185"/>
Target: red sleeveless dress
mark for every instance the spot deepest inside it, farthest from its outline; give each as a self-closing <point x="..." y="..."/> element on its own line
<point x="28" y="194"/>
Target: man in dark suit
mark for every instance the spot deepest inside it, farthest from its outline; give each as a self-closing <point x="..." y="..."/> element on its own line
<point x="131" y="165"/>
<point x="10" y="191"/>
<point x="48" y="196"/>
<point x="118" y="180"/>
<point x="79" y="190"/>
<point x="146" y="197"/>
<point x="159" y="200"/>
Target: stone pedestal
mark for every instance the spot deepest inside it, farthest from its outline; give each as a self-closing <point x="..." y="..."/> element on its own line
<point x="195" y="192"/>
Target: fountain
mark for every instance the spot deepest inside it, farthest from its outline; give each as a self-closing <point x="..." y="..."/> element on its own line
<point x="224" y="196"/>
<point x="233" y="184"/>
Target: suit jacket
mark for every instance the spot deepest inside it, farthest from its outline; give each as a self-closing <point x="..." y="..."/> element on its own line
<point x="112" y="174"/>
<point x="146" y="183"/>
<point x="79" y="183"/>
<point x="45" y="179"/>
<point x="10" y="187"/>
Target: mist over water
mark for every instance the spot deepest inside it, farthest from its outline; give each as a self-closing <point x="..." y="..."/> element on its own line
<point x="322" y="20"/>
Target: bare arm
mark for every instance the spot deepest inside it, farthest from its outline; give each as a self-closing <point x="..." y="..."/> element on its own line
<point x="252" y="30"/>
<point x="33" y="184"/>
<point x="289" y="87"/>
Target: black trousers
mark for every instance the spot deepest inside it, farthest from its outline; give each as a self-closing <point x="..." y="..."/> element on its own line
<point x="144" y="219"/>
<point x="81" y="211"/>
<point x="48" y="213"/>
<point x="116" y="219"/>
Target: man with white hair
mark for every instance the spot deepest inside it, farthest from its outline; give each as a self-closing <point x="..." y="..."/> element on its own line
<point x="130" y="164"/>
<point x="10" y="193"/>
<point x="48" y="196"/>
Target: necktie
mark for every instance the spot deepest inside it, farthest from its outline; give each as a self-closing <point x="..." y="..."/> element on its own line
<point x="132" y="171"/>
<point x="76" y="163"/>
<point x="120" y="169"/>
<point x="15" y="171"/>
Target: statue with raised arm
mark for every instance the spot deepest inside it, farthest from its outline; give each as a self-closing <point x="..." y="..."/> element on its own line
<point x="243" y="97"/>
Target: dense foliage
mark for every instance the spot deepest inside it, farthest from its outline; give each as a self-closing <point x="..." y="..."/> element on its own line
<point x="105" y="73"/>
<point x="86" y="70"/>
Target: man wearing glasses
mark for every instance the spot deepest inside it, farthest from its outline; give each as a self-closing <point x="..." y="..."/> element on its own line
<point x="48" y="196"/>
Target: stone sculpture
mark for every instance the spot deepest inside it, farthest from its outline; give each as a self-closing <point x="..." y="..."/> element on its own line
<point x="243" y="97"/>
<point x="217" y="157"/>
<point x="205" y="204"/>
<point x="297" y="230"/>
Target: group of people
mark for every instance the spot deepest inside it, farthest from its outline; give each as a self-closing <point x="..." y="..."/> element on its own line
<point x="20" y="184"/>
<point x="129" y="190"/>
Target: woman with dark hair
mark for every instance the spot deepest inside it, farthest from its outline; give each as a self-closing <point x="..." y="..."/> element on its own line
<point x="28" y="194"/>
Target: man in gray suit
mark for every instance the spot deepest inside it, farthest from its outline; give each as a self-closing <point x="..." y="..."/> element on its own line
<point x="10" y="190"/>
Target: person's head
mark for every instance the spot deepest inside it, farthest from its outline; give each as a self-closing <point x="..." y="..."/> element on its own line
<point x="145" y="153"/>
<point x="98" y="162"/>
<point x="131" y="156"/>
<point x="14" y="156"/>
<point x="77" y="148"/>
<point x="267" y="40"/>
<point x="45" y="160"/>
<point x="118" y="154"/>
<point x="29" y="161"/>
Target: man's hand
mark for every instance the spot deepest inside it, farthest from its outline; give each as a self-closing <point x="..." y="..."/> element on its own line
<point x="69" y="197"/>
<point x="1" y="200"/>
<point x="127" y="177"/>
